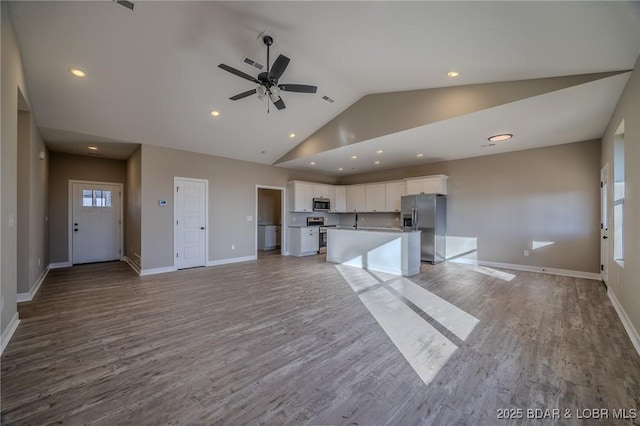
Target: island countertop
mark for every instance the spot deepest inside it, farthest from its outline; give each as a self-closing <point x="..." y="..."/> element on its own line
<point x="390" y="250"/>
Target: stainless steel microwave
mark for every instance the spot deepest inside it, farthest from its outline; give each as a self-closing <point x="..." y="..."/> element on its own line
<point x="321" y="205"/>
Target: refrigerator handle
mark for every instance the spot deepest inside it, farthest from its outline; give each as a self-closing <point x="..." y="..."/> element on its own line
<point x="414" y="218"/>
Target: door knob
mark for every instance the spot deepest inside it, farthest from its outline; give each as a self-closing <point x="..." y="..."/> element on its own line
<point x="75" y="230"/>
<point x="203" y="228"/>
<point x="604" y="237"/>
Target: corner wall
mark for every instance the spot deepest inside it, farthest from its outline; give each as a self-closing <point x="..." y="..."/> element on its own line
<point x="624" y="281"/>
<point x="133" y="208"/>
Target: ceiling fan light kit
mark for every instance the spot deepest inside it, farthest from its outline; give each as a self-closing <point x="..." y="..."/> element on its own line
<point x="268" y="80"/>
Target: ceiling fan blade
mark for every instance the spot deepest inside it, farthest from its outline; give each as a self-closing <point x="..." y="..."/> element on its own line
<point x="243" y="95"/>
<point x="278" y="67"/>
<point x="238" y="73"/>
<point x="280" y="104"/>
<point x="300" y="88"/>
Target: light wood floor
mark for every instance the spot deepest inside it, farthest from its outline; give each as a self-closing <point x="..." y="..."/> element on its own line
<point x="285" y="340"/>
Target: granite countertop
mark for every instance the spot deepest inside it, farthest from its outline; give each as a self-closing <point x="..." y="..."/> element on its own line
<point x="372" y="229"/>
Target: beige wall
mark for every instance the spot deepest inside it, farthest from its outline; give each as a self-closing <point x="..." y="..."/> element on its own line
<point x="33" y="235"/>
<point x="133" y="205"/>
<point x="12" y="80"/>
<point x="232" y="197"/>
<point x="65" y="167"/>
<point x="624" y="281"/>
<point x="502" y="203"/>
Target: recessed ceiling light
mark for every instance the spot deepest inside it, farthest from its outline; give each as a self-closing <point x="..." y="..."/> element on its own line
<point x="313" y="163"/>
<point x="215" y="113"/>
<point x="77" y="72"/>
<point x="376" y="162"/>
<point x="453" y="74"/>
<point x="292" y="135"/>
<point x="419" y="155"/>
<point x="353" y="157"/>
<point x="501" y="137"/>
<point x="93" y="148"/>
<point x="340" y="169"/>
<point x="379" y="151"/>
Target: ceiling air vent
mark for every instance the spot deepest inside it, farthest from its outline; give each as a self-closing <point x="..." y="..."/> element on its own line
<point x="252" y="63"/>
<point x="328" y="99"/>
<point x="128" y="4"/>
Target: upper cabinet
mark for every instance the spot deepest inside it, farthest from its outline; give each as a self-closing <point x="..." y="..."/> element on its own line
<point x="300" y="196"/>
<point x="356" y="198"/>
<point x="394" y="192"/>
<point x="339" y="203"/>
<point x="375" y="198"/>
<point x="427" y="185"/>
<point x="323" y="191"/>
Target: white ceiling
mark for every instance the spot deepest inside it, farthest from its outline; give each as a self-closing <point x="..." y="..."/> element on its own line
<point x="152" y="74"/>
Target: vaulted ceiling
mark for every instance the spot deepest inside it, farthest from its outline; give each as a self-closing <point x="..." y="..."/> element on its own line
<point x="153" y="77"/>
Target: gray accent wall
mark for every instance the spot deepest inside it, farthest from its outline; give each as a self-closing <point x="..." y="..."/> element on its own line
<point x="500" y="205"/>
<point x="65" y="167"/>
<point x="624" y="281"/>
<point x="232" y="197"/>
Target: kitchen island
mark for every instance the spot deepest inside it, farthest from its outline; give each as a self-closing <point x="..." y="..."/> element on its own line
<point x="385" y="250"/>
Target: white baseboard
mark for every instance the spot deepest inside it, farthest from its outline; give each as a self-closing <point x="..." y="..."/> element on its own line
<point x="154" y="271"/>
<point x="528" y="268"/>
<point x="27" y="297"/>
<point x="8" y="333"/>
<point x="231" y="260"/>
<point x="626" y="322"/>
<point x="58" y="265"/>
<point x="132" y="264"/>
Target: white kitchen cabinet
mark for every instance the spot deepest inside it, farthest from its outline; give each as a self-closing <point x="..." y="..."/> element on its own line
<point x="323" y="191"/>
<point x="394" y="191"/>
<point x="304" y="241"/>
<point x="436" y="184"/>
<point x="300" y="196"/>
<point x="356" y="198"/>
<point x="339" y="203"/>
<point x="267" y="237"/>
<point x="375" y="197"/>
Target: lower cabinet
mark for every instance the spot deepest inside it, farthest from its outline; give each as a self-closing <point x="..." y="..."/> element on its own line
<point x="268" y="237"/>
<point x="304" y="241"/>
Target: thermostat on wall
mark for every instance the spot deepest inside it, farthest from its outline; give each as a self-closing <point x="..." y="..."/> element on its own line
<point x="162" y="202"/>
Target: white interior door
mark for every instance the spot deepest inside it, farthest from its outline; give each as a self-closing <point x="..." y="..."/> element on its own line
<point x="604" y="224"/>
<point x="95" y="222"/>
<point x="191" y="223"/>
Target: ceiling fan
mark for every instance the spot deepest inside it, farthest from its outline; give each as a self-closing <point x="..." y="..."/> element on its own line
<point x="268" y="81"/>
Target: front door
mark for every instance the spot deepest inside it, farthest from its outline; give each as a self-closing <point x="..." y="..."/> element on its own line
<point x="191" y="223"/>
<point x="95" y="222"/>
<point x="604" y="224"/>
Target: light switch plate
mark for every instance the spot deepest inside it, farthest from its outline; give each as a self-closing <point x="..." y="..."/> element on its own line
<point x="249" y="218"/>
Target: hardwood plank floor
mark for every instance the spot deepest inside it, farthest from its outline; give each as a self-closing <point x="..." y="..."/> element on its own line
<point x="286" y="340"/>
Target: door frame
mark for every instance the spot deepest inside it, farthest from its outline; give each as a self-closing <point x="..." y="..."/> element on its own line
<point x="70" y="215"/>
<point x="284" y="247"/>
<point x="175" y="218"/>
<point x="604" y="227"/>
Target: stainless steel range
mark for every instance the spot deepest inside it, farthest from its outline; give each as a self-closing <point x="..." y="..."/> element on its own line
<point x="322" y="240"/>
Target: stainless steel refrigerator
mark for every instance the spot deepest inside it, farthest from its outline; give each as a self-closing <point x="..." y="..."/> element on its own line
<point x="427" y="213"/>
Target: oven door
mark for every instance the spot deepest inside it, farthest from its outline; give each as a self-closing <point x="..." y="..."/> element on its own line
<point x="323" y="241"/>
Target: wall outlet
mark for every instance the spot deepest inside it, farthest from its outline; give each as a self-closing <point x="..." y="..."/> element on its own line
<point x="233" y="246"/>
<point x="249" y="218"/>
<point x="293" y="219"/>
<point x="526" y="253"/>
<point x="39" y="262"/>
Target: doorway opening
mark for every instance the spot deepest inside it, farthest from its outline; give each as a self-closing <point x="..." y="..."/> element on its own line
<point x="270" y="212"/>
